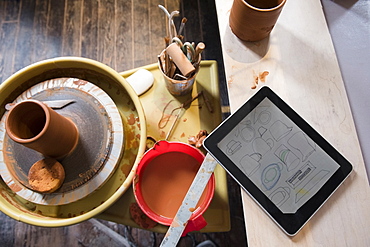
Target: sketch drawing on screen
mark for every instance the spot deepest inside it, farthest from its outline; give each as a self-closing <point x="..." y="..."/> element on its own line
<point x="278" y="157"/>
<point x="270" y="175"/>
<point x="310" y="184"/>
<point x="302" y="144"/>
<point x="287" y="157"/>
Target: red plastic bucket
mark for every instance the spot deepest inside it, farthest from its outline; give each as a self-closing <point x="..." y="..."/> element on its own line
<point x="162" y="179"/>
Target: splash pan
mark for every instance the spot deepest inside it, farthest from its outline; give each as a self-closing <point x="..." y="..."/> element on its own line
<point x="92" y="162"/>
<point x="131" y="111"/>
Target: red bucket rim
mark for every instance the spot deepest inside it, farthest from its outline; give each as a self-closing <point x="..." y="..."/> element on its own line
<point x="161" y="148"/>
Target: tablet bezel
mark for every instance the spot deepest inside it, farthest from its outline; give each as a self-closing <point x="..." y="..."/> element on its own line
<point x="289" y="223"/>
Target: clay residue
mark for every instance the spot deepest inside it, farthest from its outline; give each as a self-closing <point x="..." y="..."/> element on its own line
<point x="230" y="80"/>
<point x="162" y="134"/>
<point x="15" y="187"/>
<point x="136" y="179"/>
<point x="261" y="77"/>
<point x="130" y="136"/>
<point x="175" y="223"/>
<point x="197" y="140"/>
<point x="255" y="81"/>
<point x="131" y="119"/>
<point x="140" y="217"/>
<point x="79" y="82"/>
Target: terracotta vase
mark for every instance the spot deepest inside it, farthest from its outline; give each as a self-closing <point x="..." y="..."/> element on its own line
<point x="253" y="20"/>
<point x="37" y="126"/>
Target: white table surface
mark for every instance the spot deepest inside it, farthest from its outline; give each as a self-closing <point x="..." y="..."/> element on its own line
<point x="318" y="63"/>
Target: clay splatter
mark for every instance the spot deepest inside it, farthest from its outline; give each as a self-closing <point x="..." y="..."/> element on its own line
<point x="263" y="75"/>
<point x="260" y="77"/>
<point x="131" y="119"/>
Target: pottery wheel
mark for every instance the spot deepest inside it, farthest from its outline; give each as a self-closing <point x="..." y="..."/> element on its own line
<point x="100" y="141"/>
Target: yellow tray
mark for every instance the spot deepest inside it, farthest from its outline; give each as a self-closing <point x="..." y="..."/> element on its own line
<point x="195" y="118"/>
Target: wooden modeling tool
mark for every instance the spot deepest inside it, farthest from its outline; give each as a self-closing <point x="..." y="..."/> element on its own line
<point x="198" y="49"/>
<point x="180" y="60"/>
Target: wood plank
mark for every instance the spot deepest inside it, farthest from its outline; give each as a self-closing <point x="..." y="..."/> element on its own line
<point x="9" y="36"/>
<point x="71" y="37"/>
<point x="172" y="6"/>
<point x="2" y="11"/>
<point x="40" y="30"/>
<point x="25" y="42"/>
<point x="55" y="22"/>
<point x="11" y="10"/>
<point x="106" y="34"/>
<point x="141" y="33"/>
<point x="27" y="235"/>
<point x="124" y="33"/>
<point x="193" y="30"/>
<point x="89" y="29"/>
<point x="157" y="29"/>
<point x="6" y="230"/>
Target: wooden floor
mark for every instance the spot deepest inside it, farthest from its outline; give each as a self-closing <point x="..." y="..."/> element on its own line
<point x="123" y="34"/>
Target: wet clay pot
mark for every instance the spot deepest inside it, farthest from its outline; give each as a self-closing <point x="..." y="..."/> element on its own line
<point x="37" y="126"/>
<point x="253" y="20"/>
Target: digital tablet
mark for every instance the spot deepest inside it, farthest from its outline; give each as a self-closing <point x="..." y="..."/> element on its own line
<point x="278" y="159"/>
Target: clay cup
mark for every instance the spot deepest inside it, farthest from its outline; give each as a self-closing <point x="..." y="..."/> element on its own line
<point x="253" y="20"/>
<point x="37" y="126"/>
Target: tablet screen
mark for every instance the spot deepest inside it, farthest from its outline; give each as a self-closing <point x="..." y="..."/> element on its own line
<point x="278" y="157"/>
<point x="287" y="167"/>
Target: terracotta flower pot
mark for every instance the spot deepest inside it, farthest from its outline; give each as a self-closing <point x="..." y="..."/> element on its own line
<point x="37" y="126"/>
<point x="253" y="20"/>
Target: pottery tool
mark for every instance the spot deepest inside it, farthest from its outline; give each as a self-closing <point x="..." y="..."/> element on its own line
<point x="179" y="77"/>
<point x="182" y="57"/>
<point x="55" y="104"/>
<point x="182" y="26"/>
<point x="174" y="123"/>
<point x="189" y="203"/>
<point x="180" y="108"/>
<point x="188" y="49"/>
<point x="171" y="24"/>
<point x="177" y="41"/>
<point x="171" y="29"/>
<point x="180" y="60"/>
<point x="198" y="49"/>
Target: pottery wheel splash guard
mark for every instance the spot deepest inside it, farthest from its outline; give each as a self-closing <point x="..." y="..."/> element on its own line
<point x="93" y="161"/>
